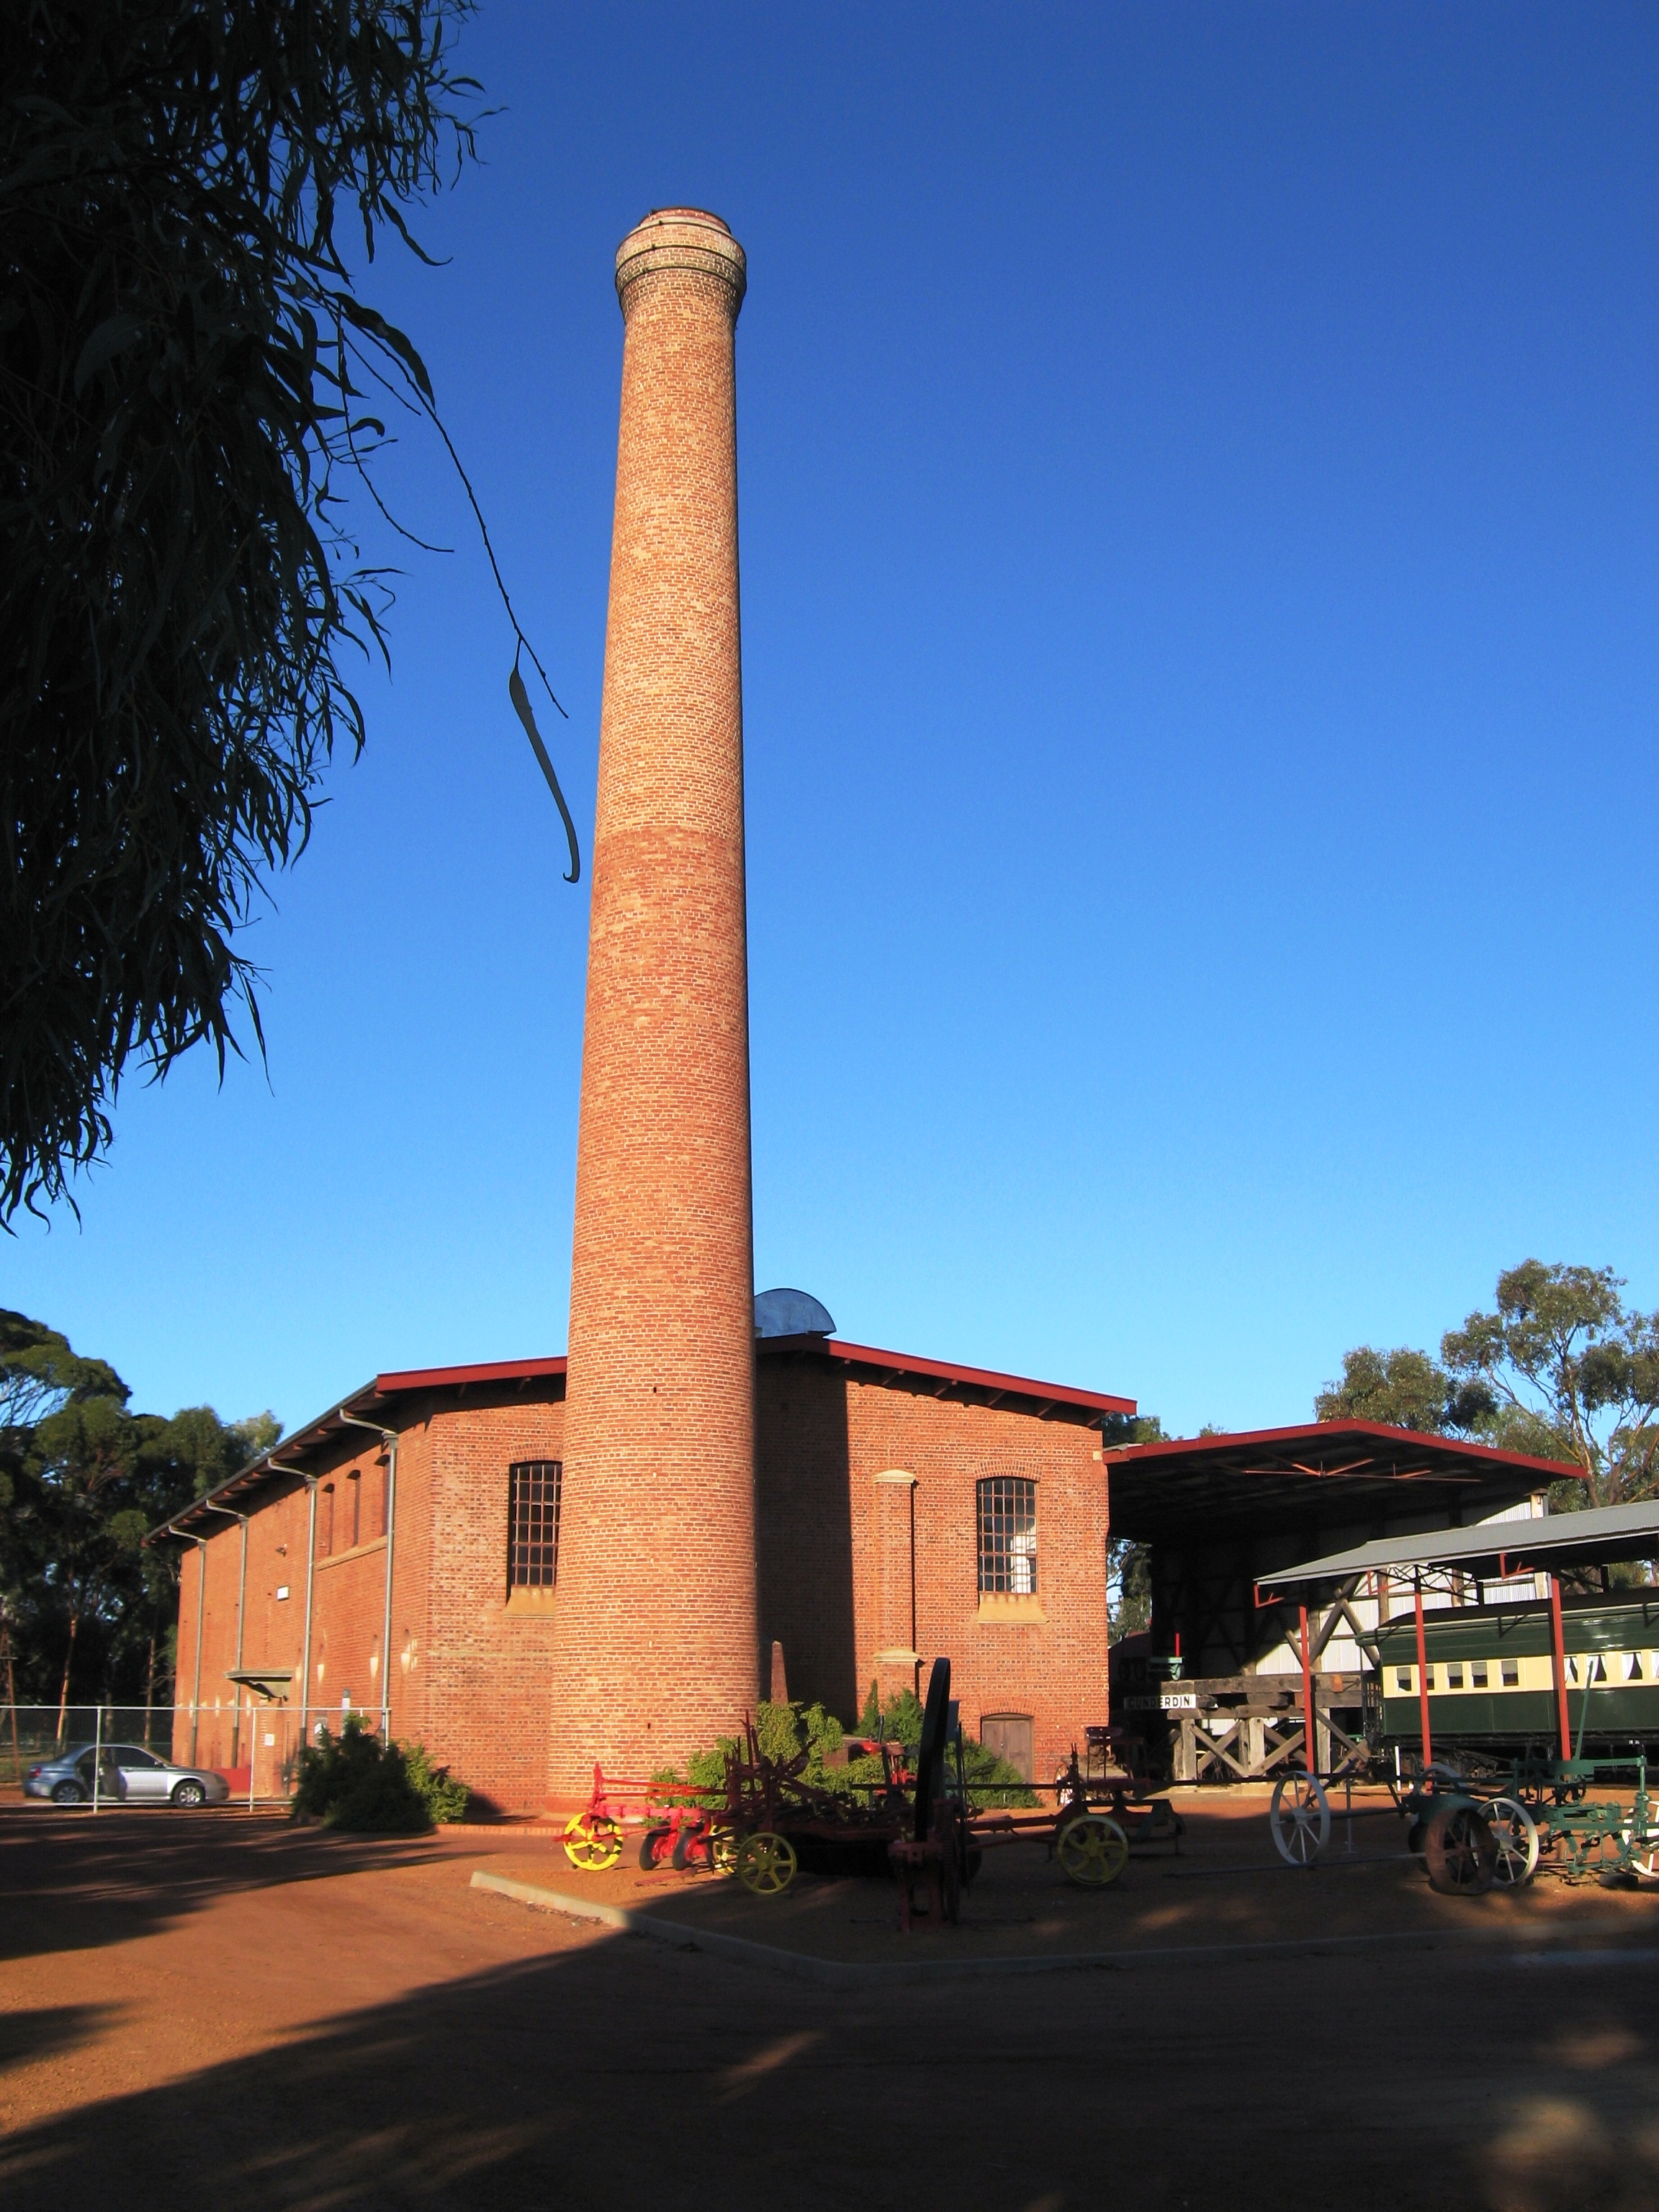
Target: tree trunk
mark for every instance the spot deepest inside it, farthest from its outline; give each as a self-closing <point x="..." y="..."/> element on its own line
<point x="11" y="1699"/>
<point x="69" y="1660"/>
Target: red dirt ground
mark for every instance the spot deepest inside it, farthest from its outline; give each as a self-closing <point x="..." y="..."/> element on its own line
<point x="198" y="2009"/>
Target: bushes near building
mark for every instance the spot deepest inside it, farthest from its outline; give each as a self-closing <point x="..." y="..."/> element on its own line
<point x="785" y="1731"/>
<point x="356" y="1783"/>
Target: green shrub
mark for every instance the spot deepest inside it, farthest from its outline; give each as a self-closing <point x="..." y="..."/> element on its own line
<point x="354" y="1782"/>
<point x="786" y="1730"/>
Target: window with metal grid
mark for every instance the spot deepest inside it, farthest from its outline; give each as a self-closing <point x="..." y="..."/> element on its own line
<point x="532" y="1524"/>
<point x="1007" y="1535"/>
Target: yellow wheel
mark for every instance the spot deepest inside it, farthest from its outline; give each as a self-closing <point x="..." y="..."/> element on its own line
<point x="722" y="1851"/>
<point x="765" y="1863"/>
<point x="592" y="1844"/>
<point x="1093" y="1850"/>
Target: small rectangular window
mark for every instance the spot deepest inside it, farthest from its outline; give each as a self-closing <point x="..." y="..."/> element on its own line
<point x="1598" y="1669"/>
<point x="1476" y="1673"/>
<point x="1007" y="1535"/>
<point x="1428" y="1678"/>
<point x="1508" y="1672"/>
<point x="532" y="1524"/>
<point x="1634" y="1667"/>
<point x="1572" y="1667"/>
<point x="1402" y="1678"/>
<point x="1453" y="1674"/>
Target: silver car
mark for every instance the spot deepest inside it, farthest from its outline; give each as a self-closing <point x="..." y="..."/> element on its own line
<point x="127" y="1773"/>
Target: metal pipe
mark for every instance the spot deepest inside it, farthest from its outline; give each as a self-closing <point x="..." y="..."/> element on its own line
<point x="275" y="1467"/>
<point x="389" y="1438"/>
<point x="231" y="1514"/>
<point x="1308" y="1741"/>
<point x="201" y="1610"/>
<point x="1423" y="1680"/>
<point x="1558" y="1664"/>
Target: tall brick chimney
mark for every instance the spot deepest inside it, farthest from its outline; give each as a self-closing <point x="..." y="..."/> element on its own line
<point x="656" y="1645"/>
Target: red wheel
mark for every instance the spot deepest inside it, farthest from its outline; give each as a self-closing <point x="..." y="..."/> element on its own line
<point x="1460" y="1850"/>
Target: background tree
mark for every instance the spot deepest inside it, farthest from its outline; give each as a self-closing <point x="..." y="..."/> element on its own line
<point x="1406" y="1390"/>
<point x="88" y="1609"/>
<point x="188" y="384"/>
<point x="1560" y="1368"/>
<point x="1573" y="1374"/>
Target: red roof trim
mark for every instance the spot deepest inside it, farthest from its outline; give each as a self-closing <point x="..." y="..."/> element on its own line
<point x="1556" y="1469"/>
<point x="981" y="1378"/>
<point x="897" y="1363"/>
<point x="492" y="1370"/>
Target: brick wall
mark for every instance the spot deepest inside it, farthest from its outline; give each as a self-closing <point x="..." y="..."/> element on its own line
<point x="833" y="1536"/>
<point x="866" y="1538"/>
<point x="485" y="1667"/>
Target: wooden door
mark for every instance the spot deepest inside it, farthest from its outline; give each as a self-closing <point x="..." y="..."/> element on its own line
<point x="1009" y="1734"/>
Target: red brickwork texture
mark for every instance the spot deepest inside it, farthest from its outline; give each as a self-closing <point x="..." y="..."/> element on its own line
<point x="838" y="1553"/>
<point x="348" y="1591"/>
<point x="470" y="1675"/>
<point x="655" y="1645"/>
<point x="832" y="1587"/>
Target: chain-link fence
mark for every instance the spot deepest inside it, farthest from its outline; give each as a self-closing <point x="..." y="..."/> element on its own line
<point x="238" y="1751"/>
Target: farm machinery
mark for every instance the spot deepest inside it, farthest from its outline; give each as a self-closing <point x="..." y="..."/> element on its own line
<point x="1486" y="1821"/>
<point x="920" y="1823"/>
<point x="1472" y="1833"/>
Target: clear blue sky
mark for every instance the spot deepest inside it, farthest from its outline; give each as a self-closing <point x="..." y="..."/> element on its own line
<point x="1199" y="557"/>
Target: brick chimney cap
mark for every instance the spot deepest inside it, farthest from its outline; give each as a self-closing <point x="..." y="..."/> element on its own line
<point x="681" y="238"/>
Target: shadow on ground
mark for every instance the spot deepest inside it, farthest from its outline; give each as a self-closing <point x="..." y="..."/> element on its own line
<point x="77" y="1881"/>
<point x="617" y="2072"/>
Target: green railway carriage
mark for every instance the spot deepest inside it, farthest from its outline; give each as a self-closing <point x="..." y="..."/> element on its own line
<point x="1492" y="1679"/>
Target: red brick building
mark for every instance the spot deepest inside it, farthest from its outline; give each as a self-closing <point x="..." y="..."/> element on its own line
<point x="904" y="1507"/>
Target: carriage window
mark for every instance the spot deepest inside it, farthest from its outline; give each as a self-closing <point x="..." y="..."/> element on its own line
<point x="1634" y="1667"/>
<point x="1007" y="1535"/>
<point x="1453" y="1674"/>
<point x="1509" y="1672"/>
<point x="1476" y="1673"/>
<point x="1402" y="1678"/>
<point x="532" y="1524"/>
<point x="1572" y="1667"/>
<point x="1598" y="1669"/>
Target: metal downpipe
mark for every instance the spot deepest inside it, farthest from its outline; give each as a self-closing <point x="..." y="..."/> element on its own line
<point x="230" y="1514"/>
<point x="389" y="1438"/>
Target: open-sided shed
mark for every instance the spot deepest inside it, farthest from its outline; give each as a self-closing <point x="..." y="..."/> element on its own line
<point x="1220" y="1514"/>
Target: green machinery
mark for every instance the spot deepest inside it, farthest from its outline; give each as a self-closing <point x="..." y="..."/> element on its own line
<point x="1510" y="1696"/>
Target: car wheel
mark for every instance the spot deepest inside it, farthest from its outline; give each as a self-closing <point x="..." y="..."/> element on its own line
<point x="67" y="1793"/>
<point x="189" y="1793"/>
